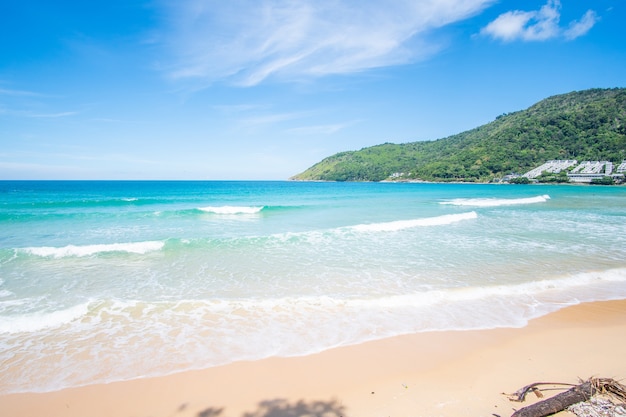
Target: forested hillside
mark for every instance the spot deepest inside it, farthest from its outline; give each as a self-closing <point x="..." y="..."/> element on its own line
<point x="583" y="125"/>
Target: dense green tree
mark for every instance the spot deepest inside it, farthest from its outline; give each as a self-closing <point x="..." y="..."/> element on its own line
<point x="603" y="181"/>
<point x="519" y="180"/>
<point x="583" y="125"/>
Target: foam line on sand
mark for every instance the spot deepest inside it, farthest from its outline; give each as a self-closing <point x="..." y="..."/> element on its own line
<point x="428" y="374"/>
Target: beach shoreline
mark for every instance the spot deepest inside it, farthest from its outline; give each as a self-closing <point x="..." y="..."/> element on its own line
<point x="446" y="373"/>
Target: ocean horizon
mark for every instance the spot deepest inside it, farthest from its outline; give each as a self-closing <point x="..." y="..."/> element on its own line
<point x="104" y="281"/>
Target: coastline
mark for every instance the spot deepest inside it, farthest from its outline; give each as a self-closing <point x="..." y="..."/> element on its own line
<point x="447" y="373"/>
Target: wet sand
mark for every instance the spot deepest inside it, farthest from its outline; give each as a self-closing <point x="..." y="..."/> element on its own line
<point x="427" y="374"/>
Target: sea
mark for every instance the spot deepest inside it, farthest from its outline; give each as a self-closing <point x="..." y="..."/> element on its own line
<point x="104" y="281"/>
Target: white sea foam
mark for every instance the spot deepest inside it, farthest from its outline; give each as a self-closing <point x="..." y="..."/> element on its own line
<point x="407" y="224"/>
<point x="232" y="209"/>
<point x="574" y="284"/>
<point x="496" y="202"/>
<point x="210" y="332"/>
<point x="33" y="322"/>
<point x="87" y="250"/>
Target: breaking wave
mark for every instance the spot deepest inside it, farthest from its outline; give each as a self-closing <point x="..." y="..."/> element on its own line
<point x="496" y="202"/>
<point x="33" y="322"/>
<point x="232" y="209"/>
<point x="407" y="224"/>
<point x="88" y="250"/>
<point x="140" y="248"/>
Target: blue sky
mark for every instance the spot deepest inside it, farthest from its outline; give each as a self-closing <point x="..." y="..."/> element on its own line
<point x="259" y="89"/>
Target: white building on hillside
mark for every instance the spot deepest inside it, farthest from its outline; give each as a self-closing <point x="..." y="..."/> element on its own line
<point x="585" y="172"/>
<point x="589" y="170"/>
<point x="553" y="167"/>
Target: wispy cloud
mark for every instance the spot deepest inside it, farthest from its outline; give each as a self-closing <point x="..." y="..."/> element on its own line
<point x="237" y="108"/>
<point x="51" y="115"/>
<point x="19" y="93"/>
<point x="581" y="27"/>
<point x="78" y="155"/>
<point x="27" y="166"/>
<point x="109" y="120"/>
<point x="538" y="25"/>
<point x="29" y="97"/>
<point x="327" y="129"/>
<point x="30" y="114"/>
<point x="274" y="118"/>
<point x="246" y="42"/>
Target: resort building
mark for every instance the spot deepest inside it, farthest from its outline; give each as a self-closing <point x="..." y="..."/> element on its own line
<point x="589" y="170"/>
<point x="585" y="172"/>
<point x="553" y="167"/>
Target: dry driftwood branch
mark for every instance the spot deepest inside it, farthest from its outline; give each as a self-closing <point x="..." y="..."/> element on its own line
<point x="520" y="394"/>
<point x="559" y="402"/>
<point x="576" y="394"/>
<point x="611" y="387"/>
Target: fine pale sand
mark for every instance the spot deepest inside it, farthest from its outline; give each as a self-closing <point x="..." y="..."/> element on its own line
<point x="429" y="374"/>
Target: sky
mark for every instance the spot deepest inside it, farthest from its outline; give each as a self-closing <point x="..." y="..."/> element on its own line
<point x="263" y="89"/>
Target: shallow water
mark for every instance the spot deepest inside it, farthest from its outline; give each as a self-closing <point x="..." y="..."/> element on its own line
<point x="105" y="281"/>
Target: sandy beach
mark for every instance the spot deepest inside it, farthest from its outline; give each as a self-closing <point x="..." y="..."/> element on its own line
<point x="428" y="374"/>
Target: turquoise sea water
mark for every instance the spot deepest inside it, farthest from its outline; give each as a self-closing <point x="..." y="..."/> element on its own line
<point x="106" y="281"/>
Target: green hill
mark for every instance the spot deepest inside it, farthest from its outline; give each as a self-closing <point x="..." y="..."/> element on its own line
<point x="583" y="125"/>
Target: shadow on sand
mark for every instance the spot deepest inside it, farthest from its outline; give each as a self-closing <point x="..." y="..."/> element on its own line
<point x="283" y="408"/>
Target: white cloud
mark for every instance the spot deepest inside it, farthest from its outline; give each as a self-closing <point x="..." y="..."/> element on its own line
<point x="537" y="25"/>
<point x="508" y="26"/>
<point x="579" y="28"/>
<point x="248" y="41"/>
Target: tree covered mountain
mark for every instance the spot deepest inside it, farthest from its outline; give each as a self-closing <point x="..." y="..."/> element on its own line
<point x="583" y="125"/>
